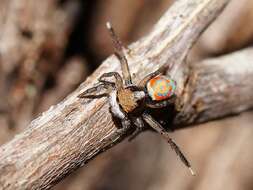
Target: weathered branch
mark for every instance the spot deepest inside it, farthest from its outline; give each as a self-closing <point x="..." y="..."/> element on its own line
<point x="217" y="87"/>
<point x="31" y="46"/>
<point x="75" y="131"/>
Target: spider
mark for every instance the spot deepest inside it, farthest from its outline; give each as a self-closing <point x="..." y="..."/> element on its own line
<point x="129" y="102"/>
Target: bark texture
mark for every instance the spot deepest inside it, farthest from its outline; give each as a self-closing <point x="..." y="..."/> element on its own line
<point x="71" y="133"/>
<point x="31" y="49"/>
<point x="217" y="87"/>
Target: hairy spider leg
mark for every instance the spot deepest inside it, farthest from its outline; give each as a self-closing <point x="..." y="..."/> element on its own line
<point x="159" y="71"/>
<point x="145" y="80"/>
<point x="118" y="46"/>
<point x="98" y="91"/>
<point x="139" y="123"/>
<point x="118" y="83"/>
<point x="156" y="126"/>
<point x="126" y="125"/>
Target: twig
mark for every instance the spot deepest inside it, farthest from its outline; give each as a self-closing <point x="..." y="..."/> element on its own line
<point x="217" y="87"/>
<point x="75" y="131"/>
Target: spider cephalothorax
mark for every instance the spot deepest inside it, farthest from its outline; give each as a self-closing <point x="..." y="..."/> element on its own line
<point x="130" y="99"/>
<point x="129" y="102"/>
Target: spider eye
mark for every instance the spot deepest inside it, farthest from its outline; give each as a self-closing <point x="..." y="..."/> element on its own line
<point x="161" y="88"/>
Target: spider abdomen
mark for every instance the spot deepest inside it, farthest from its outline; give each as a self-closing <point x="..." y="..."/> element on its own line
<point x="161" y="88"/>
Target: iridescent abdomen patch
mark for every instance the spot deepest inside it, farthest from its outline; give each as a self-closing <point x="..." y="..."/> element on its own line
<point x="161" y="88"/>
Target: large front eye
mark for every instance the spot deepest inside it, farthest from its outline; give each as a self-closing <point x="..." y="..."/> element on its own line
<point x="161" y="88"/>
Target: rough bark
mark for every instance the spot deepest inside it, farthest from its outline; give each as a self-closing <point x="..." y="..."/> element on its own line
<point x="31" y="49"/>
<point x="75" y="131"/>
<point x="217" y="87"/>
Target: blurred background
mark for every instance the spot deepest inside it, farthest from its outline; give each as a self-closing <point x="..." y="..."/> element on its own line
<point x="47" y="48"/>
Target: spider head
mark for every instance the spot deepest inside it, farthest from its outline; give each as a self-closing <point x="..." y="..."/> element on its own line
<point x="130" y="98"/>
<point x="161" y="88"/>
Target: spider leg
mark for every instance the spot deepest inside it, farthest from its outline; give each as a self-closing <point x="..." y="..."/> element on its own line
<point x="126" y="125"/>
<point x="162" y="69"/>
<point x="144" y="81"/>
<point x="162" y="103"/>
<point x="98" y="91"/>
<point x="156" y="126"/>
<point x="118" y="46"/>
<point x="118" y="83"/>
<point x="138" y="122"/>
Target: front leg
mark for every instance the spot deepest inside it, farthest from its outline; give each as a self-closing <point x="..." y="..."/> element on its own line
<point x="98" y="91"/>
<point x="126" y="124"/>
<point x="118" y="83"/>
<point x="140" y="126"/>
<point x="123" y="130"/>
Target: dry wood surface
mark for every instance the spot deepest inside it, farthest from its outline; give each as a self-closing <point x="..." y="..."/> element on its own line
<point x="71" y="133"/>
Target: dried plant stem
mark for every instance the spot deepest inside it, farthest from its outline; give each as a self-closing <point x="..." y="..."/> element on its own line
<point x="71" y="133"/>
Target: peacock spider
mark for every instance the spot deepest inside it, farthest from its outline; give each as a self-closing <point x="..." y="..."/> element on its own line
<point x="129" y="102"/>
